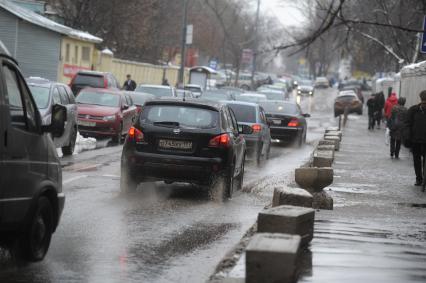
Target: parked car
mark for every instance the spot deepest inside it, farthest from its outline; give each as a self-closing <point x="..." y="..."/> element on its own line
<point x="31" y="197"/>
<point x="258" y="142"/>
<point x="95" y="79"/>
<point x="287" y="121"/>
<point x="347" y="99"/>
<point x="322" y="82"/>
<point x="251" y="97"/>
<point x="244" y="81"/>
<point x="355" y="89"/>
<point x="272" y="94"/>
<point x="194" y="141"/>
<point x="46" y="94"/>
<point x="195" y="89"/>
<point x="139" y="98"/>
<point x="305" y="88"/>
<point x="218" y="95"/>
<point x="157" y="90"/>
<point x="105" y="113"/>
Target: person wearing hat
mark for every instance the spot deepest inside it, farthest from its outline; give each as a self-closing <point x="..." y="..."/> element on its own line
<point x="416" y="123"/>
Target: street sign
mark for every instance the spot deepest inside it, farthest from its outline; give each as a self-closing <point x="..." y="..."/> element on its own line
<point x="189" y="33"/>
<point x="213" y="63"/>
<point x="423" y="47"/>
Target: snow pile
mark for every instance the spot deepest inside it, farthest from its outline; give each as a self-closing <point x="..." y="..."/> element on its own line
<point x="83" y="143"/>
<point x="413" y="69"/>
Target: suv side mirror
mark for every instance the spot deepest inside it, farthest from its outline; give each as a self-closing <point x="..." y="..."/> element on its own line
<point x="125" y="107"/>
<point x="57" y="125"/>
<point x="306" y="115"/>
<point x="245" y="129"/>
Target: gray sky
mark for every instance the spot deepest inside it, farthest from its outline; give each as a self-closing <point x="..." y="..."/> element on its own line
<point x="286" y="11"/>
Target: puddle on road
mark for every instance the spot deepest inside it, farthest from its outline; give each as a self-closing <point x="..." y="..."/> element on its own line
<point x="351" y="189"/>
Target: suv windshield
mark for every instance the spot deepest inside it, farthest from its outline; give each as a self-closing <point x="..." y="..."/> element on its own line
<point x="89" y="80"/>
<point x="41" y="95"/>
<point x="98" y="98"/>
<point x="157" y="91"/>
<point x="186" y="116"/>
<point x="244" y="113"/>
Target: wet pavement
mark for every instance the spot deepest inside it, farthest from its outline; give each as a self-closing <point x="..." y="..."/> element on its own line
<point x="377" y="230"/>
<point x="161" y="233"/>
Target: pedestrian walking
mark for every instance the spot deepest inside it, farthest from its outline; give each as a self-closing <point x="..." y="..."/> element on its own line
<point x="390" y="103"/>
<point x="129" y="84"/>
<point x="372" y="110"/>
<point x="396" y="126"/>
<point x="416" y="123"/>
<point x="380" y="104"/>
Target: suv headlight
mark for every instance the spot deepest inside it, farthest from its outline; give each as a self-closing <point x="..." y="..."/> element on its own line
<point x="109" y="118"/>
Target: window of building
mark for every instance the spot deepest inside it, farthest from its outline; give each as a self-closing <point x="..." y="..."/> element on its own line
<point x="76" y="54"/>
<point x="85" y="53"/>
<point x="67" y="52"/>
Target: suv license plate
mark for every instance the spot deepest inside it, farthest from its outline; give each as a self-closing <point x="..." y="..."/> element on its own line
<point x="276" y="122"/>
<point x="86" y="123"/>
<point x="172" y="144"/>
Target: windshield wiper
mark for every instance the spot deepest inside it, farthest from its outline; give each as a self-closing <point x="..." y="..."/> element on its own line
<point x="167" y="124"/>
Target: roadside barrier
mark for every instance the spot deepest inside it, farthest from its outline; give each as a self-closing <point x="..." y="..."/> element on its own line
<point x="286" y="229"/>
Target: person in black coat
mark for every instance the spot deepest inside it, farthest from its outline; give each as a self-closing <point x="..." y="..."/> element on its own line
<point x="380" y="104"/>
<point x="416" y="123"/>
<point x="371" y="106"/>
<point x="129" y="84"/>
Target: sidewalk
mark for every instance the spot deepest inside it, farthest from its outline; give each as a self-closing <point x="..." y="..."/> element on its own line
<point x="377" y="230"/>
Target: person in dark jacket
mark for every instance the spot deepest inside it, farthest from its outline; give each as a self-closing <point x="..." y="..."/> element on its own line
<point x="396" y="126"/>
<point x="416" y="123"/>
<point x="129" y="84"/>
<point x="371" y="105"/>
<point x="380" y="104"/>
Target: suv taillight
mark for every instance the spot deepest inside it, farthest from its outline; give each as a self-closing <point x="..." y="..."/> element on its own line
<point x="105" y="82"/>
<point x="135" y="134"/>
<point x="294" y="122"/>
<point x="222" y="140"/>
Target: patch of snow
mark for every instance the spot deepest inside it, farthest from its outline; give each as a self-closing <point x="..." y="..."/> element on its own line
<point x="83" y="144"/>
<point x="107" y="51"/>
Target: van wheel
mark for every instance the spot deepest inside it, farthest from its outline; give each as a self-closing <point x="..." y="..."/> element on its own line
<point x="35" y="241"/>
<point x="127" y="183"/>
<point x="69" y="149"/>
<point x="259" y="154"/>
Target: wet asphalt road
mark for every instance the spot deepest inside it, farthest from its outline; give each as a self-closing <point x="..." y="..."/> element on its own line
<point x="161" y="233"/>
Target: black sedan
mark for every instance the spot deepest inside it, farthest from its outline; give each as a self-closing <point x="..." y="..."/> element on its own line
<point x="193" y="141"/>
<point x="287" y="122"/>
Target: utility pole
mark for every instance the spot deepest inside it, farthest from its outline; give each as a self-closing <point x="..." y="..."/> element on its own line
<point x="256" y="44"/>
<point x="183" y="43"/>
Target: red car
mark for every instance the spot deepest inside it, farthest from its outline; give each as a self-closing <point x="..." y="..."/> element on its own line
<point x="104" y="113"/>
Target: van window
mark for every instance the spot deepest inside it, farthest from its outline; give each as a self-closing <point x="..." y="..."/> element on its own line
<point x="23" y="115"/>
<point x="14" y="98"/>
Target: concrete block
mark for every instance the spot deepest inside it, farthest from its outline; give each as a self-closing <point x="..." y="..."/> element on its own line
<point x="331" y="140"/>
<point x="291" y="196"/>
<point x="272" y="258"/>
<point x="322" y="200"/>
<point x="322" y="161"/>
<point x="314" y="179"/>
<point x="330" y="134"/>
<point x="288" y="219"/>
<point x="324" y="153"/>
<point x="332" y="129"/>
<point x="326" y="147"/>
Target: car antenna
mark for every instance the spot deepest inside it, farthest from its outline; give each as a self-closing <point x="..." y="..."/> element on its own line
<point x="183" y="88"/>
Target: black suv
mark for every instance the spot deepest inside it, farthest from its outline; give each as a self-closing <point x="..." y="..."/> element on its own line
<point x="31" y="198"/>
<point x="191" y="141"/>
<point x="95" y="79"/>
